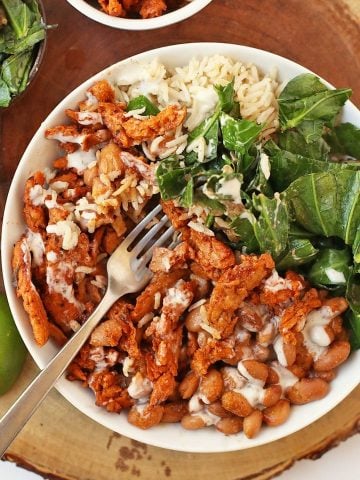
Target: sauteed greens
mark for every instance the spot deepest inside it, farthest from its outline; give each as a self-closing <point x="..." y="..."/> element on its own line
<point x="295" y="195"/>
<point x="21" y="29"/>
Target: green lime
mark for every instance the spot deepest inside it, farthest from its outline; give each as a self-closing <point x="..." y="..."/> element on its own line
<point x="12" y="348"/>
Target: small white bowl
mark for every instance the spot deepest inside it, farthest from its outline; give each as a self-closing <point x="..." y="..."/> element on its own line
<point x="40" y="153"/>
<point x="175" y="16"/>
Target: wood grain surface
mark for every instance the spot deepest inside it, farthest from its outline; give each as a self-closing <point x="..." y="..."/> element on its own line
<point x="323" y="35"/>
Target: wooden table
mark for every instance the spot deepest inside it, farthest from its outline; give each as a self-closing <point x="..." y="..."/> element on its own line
<point x="323" y="35"/>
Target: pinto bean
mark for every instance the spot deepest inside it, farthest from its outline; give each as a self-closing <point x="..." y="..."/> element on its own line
<point x="211" y="386"/>
<point x="336" y="354"/>
<point x="252" y="423"/>
<point x="236" y="403"/>
<point x="146" y="418"/>
<point x="174" y="412"/>
<point x="189" y="385"/>
<point x="328" y="376"/>
<point x="193" y="320"/>
<point x="256" y="370"/>
<point x="217" y="409"/>
<point x="192" y="422"/>
<point x="272" y="395"/>
<point x="277" y="414"/>
<point x="307" y="390"/>
<point x="230" y="425"/>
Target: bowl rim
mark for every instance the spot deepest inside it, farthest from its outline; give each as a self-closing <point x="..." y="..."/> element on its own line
<point x="344" y="383"/>
<point x="170" y="18"/>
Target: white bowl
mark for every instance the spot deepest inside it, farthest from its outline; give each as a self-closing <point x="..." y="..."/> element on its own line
<point x="39" y="154"/>
<point x="175" y="16"/>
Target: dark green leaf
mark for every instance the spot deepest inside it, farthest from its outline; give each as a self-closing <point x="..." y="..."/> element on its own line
<point x="331" y="267"/>
<point x="243" y="226"/>
<point x="143" y="102"/>
<point x="187" y="196"/>
<point x="238" y="135"/>
<point x="295" y="142"/>
<point x="4" y="94"/>
<point x="306" y="98"/>
<point x="215" y="207"/>
<point x="353" y="292"/>
<point x="272" y="226"/>
<point x="15" y="71"/>
<point x="19" y="15"/>
<point x="311" y="130"/>
<point x="327" y="203"/>
<point x="299" y="252"/>
<point x="353" y="321"/>
<point x="298" y="232"/>
<point x="226" y="96"/>
<point x="224" y="187"/>
<point x="345" y="139"/>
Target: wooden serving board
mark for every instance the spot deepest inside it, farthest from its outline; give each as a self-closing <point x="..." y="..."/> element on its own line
<point x="324" y="35"/>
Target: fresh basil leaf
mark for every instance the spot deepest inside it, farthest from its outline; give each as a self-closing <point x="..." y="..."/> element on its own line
<point x="4" y="94"/>
<point x="272" y="225"/>
<point x="243" y="226"/>
<point x="296" y="143"/>
<point x="327" y="203"/>
<point x="299" y="252"/>
<point x="345" y="139"/>
<point x="331" y="267"/>
<point x="306" y="98"/>
<point x="15" y="71"/>
<point x="238" y="135"/>
<point x="226" y="96"/>
<point x="143" y="102"/>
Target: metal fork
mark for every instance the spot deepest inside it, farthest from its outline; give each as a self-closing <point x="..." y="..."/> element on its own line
<point x="127" y="273"/>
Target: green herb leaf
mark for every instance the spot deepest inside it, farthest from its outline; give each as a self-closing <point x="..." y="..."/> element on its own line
<point x="272" y="226"/>
<point x="187" y="196"/>
<point x="143" y="102"/>
<point x="243" y="226"/>
<point x="306" y="98"/>
<point x="19" y="15"/>
<point x="15" y="71"/>
<point x="296" y="143"/>
<point x="226" y="97"/>
<point x="345" y="139"/>
<point x="299" y="252"/>
<point x="238" y="135"/>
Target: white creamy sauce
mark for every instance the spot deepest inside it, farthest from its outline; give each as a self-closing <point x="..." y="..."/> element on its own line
<point x="51" y="256"/>
<point x="140" y="387"/>
<point x="207" y="417"/>
<point x="235" y="377"/>
<point x="80" y="159"/>
<point x="315" y="337"/>
<point x="248" y="216"/>
<point x="204" y="101"/>
<point x="265" y="165"/>
<point x="253" y="392"/>
<point x="195" y="403"/>
<point x="335" y="276"/>
<point x="274" y="283"/>
<point x="286" y="378"/>
<point x="231" y="188"/>
<point x="55" y="279"/>
<point x="279" y="350"/>
<point x="68" y="230"/>
<point x="36" y="247"/>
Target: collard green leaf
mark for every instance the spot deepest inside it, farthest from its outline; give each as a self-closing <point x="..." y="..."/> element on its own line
<point x="15" y="71"/>
<point x="345" y="139"/>
<point x="331" y="267"/>
<point x="172" y="178"/>
<point x="226" y="97"/>
<point x="311" y="130"/>
<point x="299" y="252"/>
<point x="238" y="135"/>
<point x="294" y="142"/>
<point x="209" y="130"/>
<point x="4" y="94"/>
<point x="306" y="98"/>
<point x="327" y="203"/>
<point x="286" y="166"/>
<point x="215" y="207"/>
<point x="187" y="197"/>
<point x="272" y="225"/>
<point x="224" y="187"/>
<point x="243" y="226"/>
<point x="353" y="315"/>
<point x="143" y="102"/>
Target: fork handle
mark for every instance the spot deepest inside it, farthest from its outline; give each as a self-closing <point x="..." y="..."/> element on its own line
<point x="21" y="411"/>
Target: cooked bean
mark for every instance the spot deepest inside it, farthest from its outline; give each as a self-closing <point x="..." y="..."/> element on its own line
<point x="273" y="377"/>
<point x="257" y="370"/>
<point x="189" y="385"/>
<point x="146" y="418"/>
<point x="290" y="353"/>
<point x="252" y="423"/>
<point x="217" y="409"/>
<point x="336" y="354"/>
<point x="193" y="320"/>
<point x="307" y="390"/>
<point x="272" y="395"/>
<point x="174" y="412"/>
<point x="211" y="386"/>
<point x="236" y="403"/>
<point x="277" y="414"/>
<point x="230" y="425"/>
<point x="260" y="352"/>
<point x="328" y="376"/>
<point x="267" y="335"/>
<point x="192" y="422"/>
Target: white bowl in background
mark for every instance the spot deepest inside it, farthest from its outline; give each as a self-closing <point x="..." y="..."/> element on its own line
<point x="40" y="154"/>
<point x="95" y="13"/>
